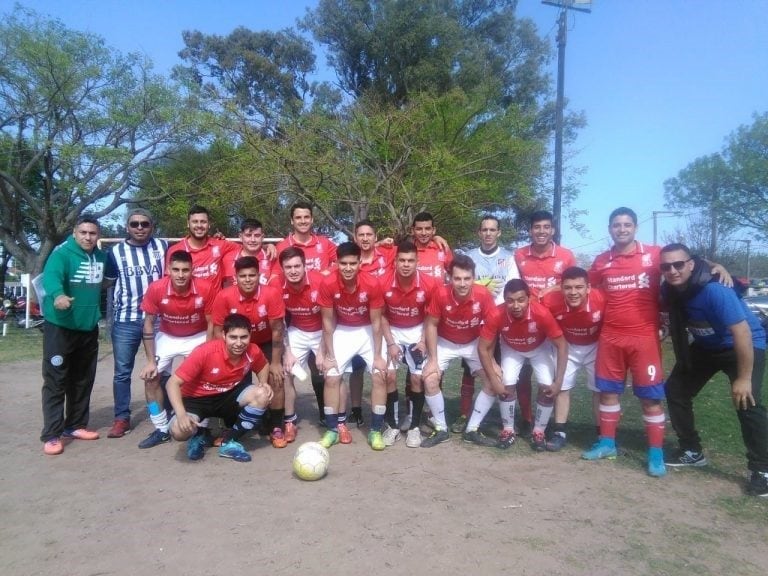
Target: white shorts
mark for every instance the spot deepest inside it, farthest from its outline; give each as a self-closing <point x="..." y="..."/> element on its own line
<point x="580" y="356"/>
<point x="447" y="351"/>
<point x="302" y="343"/>
<point x="542" y="362"/>
<point x="169" y="347"/>
<point x="349" y="341"/>
<point x="405" y="337"/>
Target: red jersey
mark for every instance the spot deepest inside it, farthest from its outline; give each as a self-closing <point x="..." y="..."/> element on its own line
<point x="207" y="371"/>
<point x="406" y="308"/>
<point x="351" y="308"/>
<point x="433" y="260"/>
<point x="179" y="314"/>
<point x="631" y="284"/>
<point x="541" y="272"/>
<point x="207" y="262"/>
<point x="265" y="266"/>
<point x="261" y="307"/>
<point x="580" y="325"/>
<point x="522" y="334"/>
<point x="301" y="305"/>
<point x="319" y="251"/>
<point x="459" y="322"/>
<point x="382" y="262"/>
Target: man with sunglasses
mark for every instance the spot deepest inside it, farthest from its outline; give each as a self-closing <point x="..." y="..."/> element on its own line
<point x="136" y="262"/>
<point x="728" y="338"/>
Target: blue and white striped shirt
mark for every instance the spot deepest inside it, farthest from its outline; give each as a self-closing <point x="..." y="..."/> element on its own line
<point x="136" y="268"/>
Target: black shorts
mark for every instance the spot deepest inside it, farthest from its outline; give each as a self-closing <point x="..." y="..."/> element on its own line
<point x="224" y="405"/>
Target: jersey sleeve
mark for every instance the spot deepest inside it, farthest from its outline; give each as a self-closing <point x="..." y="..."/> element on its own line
<point x="219" y="308"/>
<point x="192" y="366"/>
<point x="490" y="328"/>
<point x="276" y="306"/>
<point x="149" y="304"/>
<point x="259" y="360"/>
<point x="325" y="294"/>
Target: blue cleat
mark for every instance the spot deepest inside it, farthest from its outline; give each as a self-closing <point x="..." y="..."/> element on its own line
<point x="603" y="448"/>
<point x="656" y="467"/>
<point x="196" y="447"/>
<point x="235" y="451"/>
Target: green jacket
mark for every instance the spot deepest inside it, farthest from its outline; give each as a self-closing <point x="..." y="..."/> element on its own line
<point x="70" y="270"/>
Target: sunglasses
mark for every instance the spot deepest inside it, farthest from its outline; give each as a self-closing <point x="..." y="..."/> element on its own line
<point x="140" y="224"/>
<point x="677" y="265"/>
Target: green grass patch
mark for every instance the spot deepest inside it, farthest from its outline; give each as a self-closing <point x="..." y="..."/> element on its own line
<point x="21" y="345"/>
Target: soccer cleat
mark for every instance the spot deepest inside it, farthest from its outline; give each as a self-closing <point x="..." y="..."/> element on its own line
<point x="81" y="434"/>
<point x="345" y="436"/>
<point x="538" y="441"/>
<point x="277" y="438"/>
<point x="477" y="437"/>
<point x="196" y="447"/>
<point x="459" y="424"/>
<point x="290" y="432"/>
<point x="376" y="440"/>
<point x="120" y="427"/>
<point x="329" y="439"/>
<point x="556" y="444"/>
<point x="53" y="447"/>
<point x="682" y="458"/>
<point x="656" y="467"/>
<point x="603" y="448"/>
<point x="758" y="484"/>
<point x="437" y="437"/>
<point x="413" y="439"/>
<point x="155" y="438"/>
<point x="405" y="424"/>
<point x="234" y="450"/>
<point x="506" y="439"/>
<point x="356" y="417"/>
<point x="390" y="435"/>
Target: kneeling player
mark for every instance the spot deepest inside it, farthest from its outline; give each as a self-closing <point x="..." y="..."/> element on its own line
<point x="527" y="332"/>
<point x="209" y="383"/>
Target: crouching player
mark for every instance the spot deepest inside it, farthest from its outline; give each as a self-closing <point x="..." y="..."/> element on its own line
<point x="527" y="331"/>
<point x="210" y="383"/>
<point x="578" y="310"/>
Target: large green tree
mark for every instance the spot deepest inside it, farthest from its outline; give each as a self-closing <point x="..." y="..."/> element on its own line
<point x="77" y="121"/>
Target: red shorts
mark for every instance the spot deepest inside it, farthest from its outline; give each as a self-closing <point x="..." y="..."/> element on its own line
<point x="618" y="354"/>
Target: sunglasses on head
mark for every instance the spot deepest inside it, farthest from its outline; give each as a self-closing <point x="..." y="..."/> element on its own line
<point x="140" y="224"/>
<point x="677" y="265"/>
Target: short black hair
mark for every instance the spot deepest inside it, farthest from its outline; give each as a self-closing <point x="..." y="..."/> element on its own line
<point x="246" y="262"/>
<point x="574" y="272"/>
<point x="623" y="211"/>
<point x="365" y="222"/>
<point x="406" y="246"/>
<point x="87" y="219"/>
<point x="516" y="285"/>
<point x="490" y="217"/>
<point x="675" y="246"/>
<point x="232" y="321"/>
<point x="301" y="205"/>
<point x="539" y="216"/>
<point x="348" y="249"/>
<point x="197" y="209"/>
<point x="423" y="217"/>
<point x="181" y="256"/>
<point x="250" y="224"/>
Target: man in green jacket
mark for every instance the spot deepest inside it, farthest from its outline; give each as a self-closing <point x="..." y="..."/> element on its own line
<point x="72" y="281"/>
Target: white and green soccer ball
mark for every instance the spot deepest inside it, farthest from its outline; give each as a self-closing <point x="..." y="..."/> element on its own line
<point x="311" y="461"/>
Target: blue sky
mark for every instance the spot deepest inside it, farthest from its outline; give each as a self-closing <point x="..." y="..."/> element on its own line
<point x="662" y="82"/>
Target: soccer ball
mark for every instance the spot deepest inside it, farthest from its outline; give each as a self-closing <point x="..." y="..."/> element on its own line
<point x="311" y="461"/>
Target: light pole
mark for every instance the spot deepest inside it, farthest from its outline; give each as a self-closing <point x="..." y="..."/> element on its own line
<point x="655" y="214"/>
<point x="562" y="30"/>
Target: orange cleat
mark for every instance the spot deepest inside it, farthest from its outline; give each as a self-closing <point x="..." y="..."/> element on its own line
<point x="345" y="436"/>
<point x="278" y="438"/>
<point x="290" y="432"/>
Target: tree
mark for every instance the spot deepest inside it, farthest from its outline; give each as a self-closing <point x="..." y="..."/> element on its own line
<point x="77" y="120"/>
<point x="704" y="186"/>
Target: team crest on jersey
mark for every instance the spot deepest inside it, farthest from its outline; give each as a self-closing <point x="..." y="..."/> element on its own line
<point x="199" y="302"/>
<point x="164" y="301"/>
<point x="313" y="296"/>
<point x="420" y="296"/>
<point x="214" y="370"/>
<point x="216" y="252"/>
<point x="233" y="310"/>
<point x="319" y="248"/>
<point x="262" y="310"/>
<point x="647" y="260"/>
<point x="363" y="297"/>
<point x="475" y="307"/>
<point x="532" y="327"/>
<point x="448" y="308"/>
<point x="441" y="256"/>
<point x="596" y="316"/>
<point x="388" y="293"/>
<point x="558" y="267"/>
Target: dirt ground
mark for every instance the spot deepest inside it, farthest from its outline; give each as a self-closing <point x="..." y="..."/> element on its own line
<point x="107" y="508"/>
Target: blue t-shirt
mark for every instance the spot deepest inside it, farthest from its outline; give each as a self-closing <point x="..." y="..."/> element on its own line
<point x="713" y="310"/>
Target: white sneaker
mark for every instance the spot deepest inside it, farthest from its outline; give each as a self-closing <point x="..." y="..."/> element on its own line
<point x="405" y="423"/>
<point x="390" y="435"/>
<point x="413" y="440"/>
